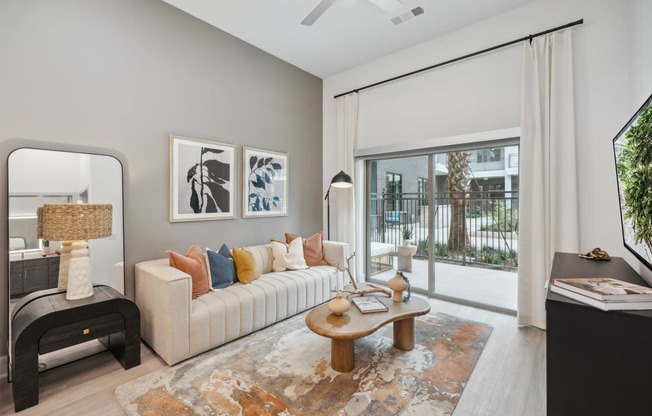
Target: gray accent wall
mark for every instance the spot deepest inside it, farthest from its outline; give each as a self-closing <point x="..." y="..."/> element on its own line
<point x="118" y="76"/>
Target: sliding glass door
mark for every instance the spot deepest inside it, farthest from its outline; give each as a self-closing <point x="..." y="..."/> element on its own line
<point x="449" y="222"/>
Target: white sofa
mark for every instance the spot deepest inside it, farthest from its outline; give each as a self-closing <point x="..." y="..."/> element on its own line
<point x="178" y="327"/>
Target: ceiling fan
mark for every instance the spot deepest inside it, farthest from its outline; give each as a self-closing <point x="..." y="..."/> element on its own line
<point x="391" y="6"/>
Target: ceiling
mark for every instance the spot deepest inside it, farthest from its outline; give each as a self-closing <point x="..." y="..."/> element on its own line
<point x="349" y="33"/>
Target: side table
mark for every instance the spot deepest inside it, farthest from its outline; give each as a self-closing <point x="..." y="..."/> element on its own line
<point x="45" y="321"/>
<point x="405" y="254"/>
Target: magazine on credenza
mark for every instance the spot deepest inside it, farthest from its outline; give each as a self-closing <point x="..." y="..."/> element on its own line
<point x="605" y="289"/>
<point x="605" y="306"/>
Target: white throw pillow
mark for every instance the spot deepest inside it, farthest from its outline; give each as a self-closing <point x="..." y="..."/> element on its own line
<point x="288" y="256"/>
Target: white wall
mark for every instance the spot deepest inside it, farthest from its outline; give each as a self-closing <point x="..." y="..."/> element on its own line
<point x="34" y="171"/>
<point x="105" y="252"/>
<point x="611" y="82"/>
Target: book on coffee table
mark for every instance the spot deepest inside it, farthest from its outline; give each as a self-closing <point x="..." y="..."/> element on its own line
<point x="368" y="304"/>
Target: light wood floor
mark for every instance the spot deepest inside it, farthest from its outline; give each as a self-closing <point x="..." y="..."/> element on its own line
<point x="509" y="378"/>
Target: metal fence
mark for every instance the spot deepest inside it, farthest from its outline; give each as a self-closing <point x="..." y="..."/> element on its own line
<point x="488" y="227"/>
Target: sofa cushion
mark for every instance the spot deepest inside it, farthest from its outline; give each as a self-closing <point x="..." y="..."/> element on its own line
<point x="313" y="250"/>
<point x="245" y="265"/>
<point x="222" y="268"/>
<point x="193" y="263"/>
<point x="288" y="256"/>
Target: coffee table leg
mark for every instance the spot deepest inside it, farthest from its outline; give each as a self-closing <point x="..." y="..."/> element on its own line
<point x="342" y="355"/>
<point x="404" y="334"/>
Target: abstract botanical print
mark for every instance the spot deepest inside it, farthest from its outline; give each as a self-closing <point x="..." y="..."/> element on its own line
<point x="202" y="179"/>
<point x="265" y="183"/>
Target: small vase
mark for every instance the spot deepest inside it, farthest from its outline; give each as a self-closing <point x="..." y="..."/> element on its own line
<point x="406" y="242"/>
<point x="338" y="305"/>
<point x="398" y="285"/>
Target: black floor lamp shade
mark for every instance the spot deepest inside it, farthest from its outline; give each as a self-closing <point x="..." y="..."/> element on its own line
<point x="341" y="180"/>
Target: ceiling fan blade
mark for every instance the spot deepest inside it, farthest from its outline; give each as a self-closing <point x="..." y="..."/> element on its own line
<point x="390" y="6"/>
<point x="317" y="12"/>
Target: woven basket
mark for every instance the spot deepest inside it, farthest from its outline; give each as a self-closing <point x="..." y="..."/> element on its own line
<point x="62" y="222"/>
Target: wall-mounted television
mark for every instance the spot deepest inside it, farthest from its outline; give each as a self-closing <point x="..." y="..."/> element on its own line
<point x="633" y="155"/>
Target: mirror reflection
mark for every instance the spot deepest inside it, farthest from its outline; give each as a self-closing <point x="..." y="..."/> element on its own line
<point x="37" y="177"/>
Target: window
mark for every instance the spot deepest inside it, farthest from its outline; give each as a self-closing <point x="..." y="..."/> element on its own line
<point x="422" y="189"/>
<point x="493" y="154"/>
<point x="394" y="191"/>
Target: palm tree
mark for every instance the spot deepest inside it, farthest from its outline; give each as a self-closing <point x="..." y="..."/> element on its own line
<point x="459" y="181"/>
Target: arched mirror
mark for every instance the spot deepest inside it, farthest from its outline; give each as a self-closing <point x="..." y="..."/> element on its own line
<point x="36" y="177"/>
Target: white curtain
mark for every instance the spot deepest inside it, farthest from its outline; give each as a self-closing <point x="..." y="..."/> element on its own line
<point x="548" y="212"/>
<point x="343" y="202"/>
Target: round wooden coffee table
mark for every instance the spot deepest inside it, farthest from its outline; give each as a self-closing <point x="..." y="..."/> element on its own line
<point x="344" y="329"/>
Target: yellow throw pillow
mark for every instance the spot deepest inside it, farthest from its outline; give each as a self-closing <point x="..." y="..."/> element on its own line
<point x="245" y="265"/>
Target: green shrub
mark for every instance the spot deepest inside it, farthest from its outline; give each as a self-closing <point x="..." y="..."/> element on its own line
<point x="506" y="219"/>
<point x="441" y="249"/>
<point x="422" y="247"/>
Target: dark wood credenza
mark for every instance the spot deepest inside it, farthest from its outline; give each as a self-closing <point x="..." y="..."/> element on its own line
<point x="26" y="276"/>
<point x="598" y="363"/>
<point x="45" y="321"/>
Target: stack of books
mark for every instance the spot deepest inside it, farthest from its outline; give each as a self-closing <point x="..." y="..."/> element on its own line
<point x="369" y="304"/>
<point x="604" y="293"/>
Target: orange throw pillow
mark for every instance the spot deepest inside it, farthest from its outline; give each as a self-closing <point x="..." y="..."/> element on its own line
<point x="245" y="265"/>
<point x="193" y="263"/>
<point x="313" y="250"/>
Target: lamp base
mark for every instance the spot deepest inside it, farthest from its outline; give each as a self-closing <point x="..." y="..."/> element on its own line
<point x="64" y="265"/>
<point x="80" y="285"/>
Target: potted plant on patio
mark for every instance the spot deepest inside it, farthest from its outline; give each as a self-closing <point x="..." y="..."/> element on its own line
<point x="407" y="235"/>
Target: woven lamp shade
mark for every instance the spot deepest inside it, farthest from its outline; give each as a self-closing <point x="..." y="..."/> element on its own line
<point x="65" y="222"/>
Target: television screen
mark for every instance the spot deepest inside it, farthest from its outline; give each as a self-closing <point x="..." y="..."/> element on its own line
<point x="633" y="154"/>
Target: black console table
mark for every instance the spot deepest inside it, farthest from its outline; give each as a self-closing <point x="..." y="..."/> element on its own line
<point x="44" y="321"/>
<point x="598" y="363"/>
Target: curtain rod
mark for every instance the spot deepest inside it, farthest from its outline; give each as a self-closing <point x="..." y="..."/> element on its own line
<point x="493" y="48"/>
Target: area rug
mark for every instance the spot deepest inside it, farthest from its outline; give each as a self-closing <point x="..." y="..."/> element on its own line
<point x="285" y="370"/>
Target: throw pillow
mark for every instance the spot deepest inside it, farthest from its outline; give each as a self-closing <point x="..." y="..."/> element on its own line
<point x="224" y="251"/>
<point x="222" y="269"/>
<point x="193" y="263"/>
<point x="313" y="250"/>
<point x="245" y="265"/>
<point x="288" y="256"/>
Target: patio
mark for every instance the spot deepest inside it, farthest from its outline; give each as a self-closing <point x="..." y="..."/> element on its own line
<point x="483" y="285"/>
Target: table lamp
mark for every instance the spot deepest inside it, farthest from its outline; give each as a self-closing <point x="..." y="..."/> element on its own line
<point x="73" y="225"/>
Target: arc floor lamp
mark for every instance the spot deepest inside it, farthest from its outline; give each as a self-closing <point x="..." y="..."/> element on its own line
<point x="341" y="180"/>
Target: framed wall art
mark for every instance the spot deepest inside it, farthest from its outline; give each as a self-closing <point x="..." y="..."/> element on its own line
<point x="265" y="183"/>
<point x="202" y="177"/>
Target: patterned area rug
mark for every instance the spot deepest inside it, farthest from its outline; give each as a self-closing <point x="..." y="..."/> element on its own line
<point x="285" y="370"/>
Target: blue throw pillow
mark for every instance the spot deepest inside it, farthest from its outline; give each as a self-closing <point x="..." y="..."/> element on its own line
<point x="222" y="268"/>
<point x="224" y="251"/>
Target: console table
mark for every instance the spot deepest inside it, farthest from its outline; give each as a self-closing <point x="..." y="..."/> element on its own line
<point x="45" y="321"/>
<point x="598" y="363"/>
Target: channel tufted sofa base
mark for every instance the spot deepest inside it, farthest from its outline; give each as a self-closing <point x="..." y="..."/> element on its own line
<point x="178" y="327"/>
